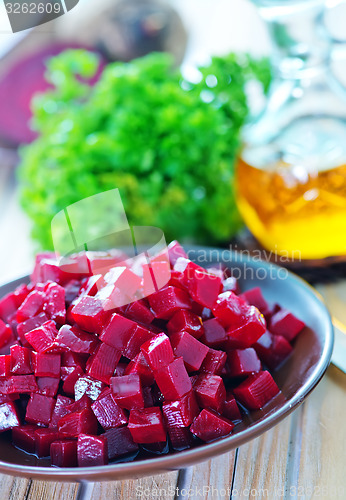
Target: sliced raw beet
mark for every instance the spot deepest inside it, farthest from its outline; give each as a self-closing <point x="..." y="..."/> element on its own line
<point x="70" y="380"/>
<point x="140" y="335"/>
<point x="243" y="362"/>
<point x="186" y="321"/>
<point x="60" y="410"/>
<point x="39" y="409"/>
<point x="108" y="412"/>
<point x="210" y="392"/>
<point x="209" y="426"/>
<point x="139" y="311"/>
<point x="30" y="324"/>
<point x="21" y="360"/>
<point x="64" y="453"/>
<point x="47" y="386"/>
<point x="175" y="250"/>
<point x="147" y="426"/>
<point x="32" y="305"/>
<point x="43" y="439"/>
<point x="173" y="380"/>
<point x="23" y="437"/>
<point x="231" y="408"/>
<point x="5" y="333"/>
<point x="118" y="332"/>
<point x="9" y="416"/>
<point x="254" y="297"/>
<point x="73" y="424"/>
<point x="273" y="350"/>
<point x="190" y="349"/>
<point x="158" y="351"/>
<point x="214" y="362"/>
<point x="5" y="365"/>
<point x="230" y="284"/>
<point x="127" y="391"/>
<point x="102" y="364"/>
<point x="140" y="366"/>
<point x="55" y="307"/>
<point x="89" y="386"/>
<point x="92" y="450"/>
<point x="89" y="314"/>
<point x="252" y="328"/>
<point x="256" y="390"/>
<point x="120" y="443"/>
<point x="182" y="412"/>
<point x="46" y="365"/>
<point x="76" y="340"/>
<point x="42" y="338"/>
<point x="214" y="333"/>
<point x="167" y="301"/>
<point x="286" y="324"/>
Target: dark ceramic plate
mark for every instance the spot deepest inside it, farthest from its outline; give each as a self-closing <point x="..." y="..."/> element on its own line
<point x="296" y="379"/>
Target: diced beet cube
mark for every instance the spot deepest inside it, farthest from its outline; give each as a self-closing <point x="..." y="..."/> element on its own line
<point x="173" y="380"/>
<point x="140" y="336"/>
<point x="89" y="386"/>
<point x="214" y="333"/>
<point x="286" y="324"/>
<point x="138" y="311"/>
<point x="5" y="333"/>
<point x="21" y="360"/>
<point x="74" y="359"/>
<point x="61" y="409"/>
<point x="76" y="340"/>
<point x="8" y="306"/>
<point x="181" y="412"/>
<point x="177" y="279"/>
<point x="43" y="439"/>
<point x="158" y="351"/>
<point x="147" y="426"/>
<point x="9" y="416"/>
<point x="256" y="390"/>
<point x="47" y="386"/>
<point x="230" y="284"/>
<point x="23" y="437"/>
<point x="229" y="309"/>
<point x="42" y="338"/>
<point x="167" y="301"/>
<point x="118" y="332"/>
<point x="192" y="351"/>
<point x="47" y="269"/>
<point x="180" y="437"/>
<point x="243" y="362"/>
<point x="175" y="250"/>
<point x="272" y="349"/>
<point x="155" y="276"/>
<point x="46" y="365"/>
<point x="89" y="314"/>
<point x="92" y="450"/>
<point x="22" y="384"/>
<point x="253" y="327"/>
<point x="102" y="364"/>
<point x="55" y="307"/>
<point x="209" y="426"/>
<point x="231" y="409"/>
<point x="127" y="391"/>
<point x="205" y="288"/>
<point x="108" y="412"/>
<point x="120" y="443"/>
<point x="71" y="379"/>
<point x="64" y="453"/>
<point x="82" y="422"/>
<point x="124" y="279"/>
<point x="186" y="321"/>
<point x="254" y="297"/>
<point x="214" y="362"/>
<point x="140" y="366"/>
<point x="5" y="365"/>
<point x="31" y="306"/>
<point x="30" y="324"/>
<point x="210" y="392"/>
<point x="39" y="409"/>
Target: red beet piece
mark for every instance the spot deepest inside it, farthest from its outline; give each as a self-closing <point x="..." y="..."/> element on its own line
<point x="256" y="390"/>
<point x="118" y="332"/>
<point x="102" y="364"/>
<point x="28" y="325"/>
<point x="31" y="306"/>
<point x="286" y="324"/>
<point x="273" y="350"/>
<point x="140" y="366"/>
<point x="253" y="327"/>
<point x="175" y="250"/>
<point x="127" y="391"/>
<point x="8" y="306"/>
<point x="72" y="289"/>
<point x="124" y="280"/>
<point x="5" y="365"/>
<point x="89" y="314"/>
<point x="254" y="297"/>
<point x="64" y="453"/>
<point x="214" y="333"/>
<point x="61" y="409"/>
<point x="214" y="362"/>
<point x="231" y="409"/>
<point x="192" y="351"/>
<point x="167" y="301"/>
<point x="92" y="450"/>
<point x="140" y="335"/>
<point x="55" y="303"/>
<point x="210" y="392"/>
<point x="71" y="379"/>
<point x="39" y="409"/>
<point x="108" y="412"/>
<point x="158" y="351"/>
<point x="5" y="333"/>
<point x="71" y="337"/>
<point x="73" y="424"/>
<point x="209" y="426"/>
<point x="21" y="360"/>
<point x="23" y="437"/>
<point x="155" y="276"/>
<point x="229" y="309"/>
<point x="89" y="386"/>
<point x="46" y="365"/>
<point x="47" y="386"/>
<point x="230" y="284"/>
<point x="147" y="426"/>
<point x="186" y="321"/>
<point x="43" y="439"/>
<point x="180" y="437"/>
<point x="139" y="311"/>
<point x="22" y="384"/>
<point x="42" y="338"/>
<point x="173" y="380"/>
<point x="243" y="362"/>
<point x="182" y="412"/>
<point x="120" y="443"/>
<point x="9" y="416"/>
<point x="74" y="359"/>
